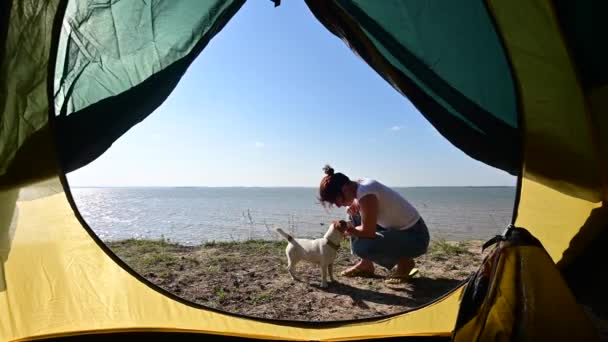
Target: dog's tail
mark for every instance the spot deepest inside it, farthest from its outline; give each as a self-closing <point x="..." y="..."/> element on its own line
<point x="285" y="235"/>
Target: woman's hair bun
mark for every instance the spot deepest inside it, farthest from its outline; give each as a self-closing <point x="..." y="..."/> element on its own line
<point x="328" y="170"/>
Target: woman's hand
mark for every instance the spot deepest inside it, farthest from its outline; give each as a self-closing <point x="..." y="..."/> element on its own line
<point x="353" y="209"/>
<point x="350" y="229"/>
<point x="369" y="217"/>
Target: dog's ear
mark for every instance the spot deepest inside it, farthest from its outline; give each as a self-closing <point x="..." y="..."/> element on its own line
<point x="340" y="225"/>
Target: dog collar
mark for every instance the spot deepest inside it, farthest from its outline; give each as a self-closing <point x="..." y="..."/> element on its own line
<point x="333" y="245"/>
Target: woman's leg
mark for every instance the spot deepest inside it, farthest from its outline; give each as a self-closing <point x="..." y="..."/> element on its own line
<point x="364" y="266"/>
<point x="393" y="248"/>
<point x="404" y="266"/>
<point x="407" y="264"/>
<point x="377" y="250"/>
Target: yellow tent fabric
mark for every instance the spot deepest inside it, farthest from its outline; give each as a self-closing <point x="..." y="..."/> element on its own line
<point x="562" y="176"/>
<point x="526" y="309"/>
<point x="68" y="285"/>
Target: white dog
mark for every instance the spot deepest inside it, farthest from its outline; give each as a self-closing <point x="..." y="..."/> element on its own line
<point x="321" y="251"/>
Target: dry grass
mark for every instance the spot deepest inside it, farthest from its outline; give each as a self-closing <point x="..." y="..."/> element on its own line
<point x="250" y="278"/>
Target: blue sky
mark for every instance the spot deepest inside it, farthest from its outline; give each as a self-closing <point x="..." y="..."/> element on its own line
<point x="271" y="99"/>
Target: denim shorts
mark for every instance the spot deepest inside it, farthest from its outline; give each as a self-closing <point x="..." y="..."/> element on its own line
<point x="390" y="245"/>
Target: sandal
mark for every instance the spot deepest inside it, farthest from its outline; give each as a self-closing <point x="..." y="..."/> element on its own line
<point x="355" y="272"/>
<point x="398" y="279"/>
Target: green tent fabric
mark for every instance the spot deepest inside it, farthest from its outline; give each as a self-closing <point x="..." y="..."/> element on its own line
<point x="477" y="71"/>
<point x="106" y="52"/>
<point x="26" y="30"/>
<point x="108" y="47"/>
<point x="119" y="60"/>
<point x="113" y="63"/>
<point x="467" y="93"/>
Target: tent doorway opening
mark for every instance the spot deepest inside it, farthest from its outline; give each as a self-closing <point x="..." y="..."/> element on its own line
<point x="190" y="197"/>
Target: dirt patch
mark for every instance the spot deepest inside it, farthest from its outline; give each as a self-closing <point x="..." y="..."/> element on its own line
<point x="251" y="278"/>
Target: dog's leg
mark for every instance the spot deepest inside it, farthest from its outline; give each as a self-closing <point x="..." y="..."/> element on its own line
<point x="324" y="275"/>
<point x="330" y="270"/>
<point x="291" y="266"/>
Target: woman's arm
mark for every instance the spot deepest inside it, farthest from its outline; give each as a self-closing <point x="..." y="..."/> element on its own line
<point x="368" y="208"/>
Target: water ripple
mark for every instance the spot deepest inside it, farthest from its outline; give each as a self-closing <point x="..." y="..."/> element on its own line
<point x="195" y="215"/>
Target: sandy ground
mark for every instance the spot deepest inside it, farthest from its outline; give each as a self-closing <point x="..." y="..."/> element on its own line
<point x="251" y="278"/>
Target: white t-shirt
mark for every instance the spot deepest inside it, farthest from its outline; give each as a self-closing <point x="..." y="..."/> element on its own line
<point x="394" y="211"/>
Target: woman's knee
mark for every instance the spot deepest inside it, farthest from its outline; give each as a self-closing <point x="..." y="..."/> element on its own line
<point x="365" y="248"/>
